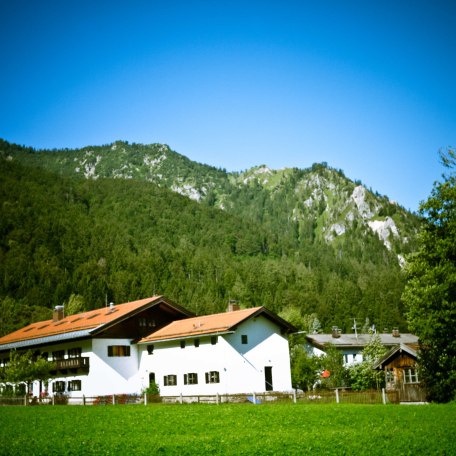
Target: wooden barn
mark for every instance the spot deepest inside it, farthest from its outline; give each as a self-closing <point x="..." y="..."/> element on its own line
<point x="401" y="374"/>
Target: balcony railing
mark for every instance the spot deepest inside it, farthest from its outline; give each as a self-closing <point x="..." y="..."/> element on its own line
<point x="72" y="363"/>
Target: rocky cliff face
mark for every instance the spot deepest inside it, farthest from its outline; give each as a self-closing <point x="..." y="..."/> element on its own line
<point x="319" y="201"/>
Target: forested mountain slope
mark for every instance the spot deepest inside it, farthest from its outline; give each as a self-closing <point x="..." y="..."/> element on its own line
<point x="120" y="222"/>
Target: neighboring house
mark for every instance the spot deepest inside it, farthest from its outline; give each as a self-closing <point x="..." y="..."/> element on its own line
<point x="351" y="345"/>
<point x="233" y="352"/>
<point x="95" y="352"/>
<point x="113" y="350"/>
<point x="401" y="372"/>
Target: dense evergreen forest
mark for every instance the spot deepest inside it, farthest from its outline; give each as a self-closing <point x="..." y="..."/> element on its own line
<point x="84" y="242"/>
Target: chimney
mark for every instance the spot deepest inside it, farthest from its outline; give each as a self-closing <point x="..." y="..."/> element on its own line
<point x="335" y="332"/>
<point x="110" y="309"/>
<point x="233" y="305"/>
<point x="58" y="313"/>
<point x="396" y="332"/>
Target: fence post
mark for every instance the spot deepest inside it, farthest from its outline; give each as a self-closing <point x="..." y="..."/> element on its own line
<point x="145" y="398"/>
<point x="337" y="395"/>
<point x="254" y="398"/>
<point x="181" y="399"/>
<point x="217" y="399"/>
<point x="383" y="396"/>
<point x="53" y="400"/>
<point x="294" y="396"/>
<point x="83" y="399"/>
<point x="113" y="399"/>
<point x="25" y="400"/>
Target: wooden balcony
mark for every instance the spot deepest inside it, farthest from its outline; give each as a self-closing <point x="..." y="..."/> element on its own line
<point x="73" y="363"/>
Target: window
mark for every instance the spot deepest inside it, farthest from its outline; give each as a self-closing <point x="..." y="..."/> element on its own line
<point x="170" y="380"/>
<point x="410" y="375"/>
<point x="150" y="349"/>
<point x="244" y="339"/>
<point x="74" y="385"/>
<point x="196" y="342"/>
<point x="214" y="340"/>
<point x="212" y="377"/>
<point x="60" y="354"/>
<point x="118" y="350"/>
<point x="74" y="352"/>
<point x="58" y="387"/>
<point x="389" y="376"/>
<point x="142" y="322"/>
<point x="191" y="379"/>
<point x="182" y="343"/>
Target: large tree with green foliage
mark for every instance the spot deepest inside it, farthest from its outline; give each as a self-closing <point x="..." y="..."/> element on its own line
<point x="25" y="368"/>
<point x="430" y="293"/>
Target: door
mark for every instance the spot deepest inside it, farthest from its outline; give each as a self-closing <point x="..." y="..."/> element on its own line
<point x="268" y="378"/>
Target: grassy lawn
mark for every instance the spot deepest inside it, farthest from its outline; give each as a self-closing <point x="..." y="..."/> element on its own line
<point x="229" y="429"/>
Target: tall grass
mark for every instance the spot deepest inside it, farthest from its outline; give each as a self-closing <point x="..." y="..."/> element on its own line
<point x="247" y="429"/>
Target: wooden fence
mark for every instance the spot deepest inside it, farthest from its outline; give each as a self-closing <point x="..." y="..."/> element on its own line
<point x="340" y="395"/>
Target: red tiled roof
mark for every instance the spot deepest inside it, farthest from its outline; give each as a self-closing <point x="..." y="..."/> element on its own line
<point x="77" y="322"/>
<point x="205" y="324"/>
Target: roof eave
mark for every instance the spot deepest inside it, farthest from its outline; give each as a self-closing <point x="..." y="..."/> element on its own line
<point x="190" y="336"/>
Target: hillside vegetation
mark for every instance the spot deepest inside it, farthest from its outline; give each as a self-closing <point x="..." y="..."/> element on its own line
<point x="120" y="222"/>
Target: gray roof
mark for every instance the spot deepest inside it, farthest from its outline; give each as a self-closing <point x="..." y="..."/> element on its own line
<point x="360" y="340"/>
<point x="46" y="340"/>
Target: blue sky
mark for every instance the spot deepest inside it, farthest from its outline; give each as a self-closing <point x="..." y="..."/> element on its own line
<point x="368" y="87"/>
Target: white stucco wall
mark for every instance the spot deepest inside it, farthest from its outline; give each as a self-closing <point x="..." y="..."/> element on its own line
<point x="350" y="355"/>
<point x="107" y="375"/>
<point x="240" y="367"/>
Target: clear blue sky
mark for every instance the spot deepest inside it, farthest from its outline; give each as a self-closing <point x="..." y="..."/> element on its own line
<point x="369" y="87"/>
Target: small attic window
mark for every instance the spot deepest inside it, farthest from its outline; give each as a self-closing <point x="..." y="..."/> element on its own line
<point x="76" y="319"/>
<point x="44" y="326"/>
<point x="59" y="323"/>
<point x="29" y="329"/>
<point x="93" y="316"/>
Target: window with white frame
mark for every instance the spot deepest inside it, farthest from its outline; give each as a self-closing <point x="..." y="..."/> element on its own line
<point x="389" y="376"/>
<point x="74" y="385"/>
<point x="191" y="378"/>
<point x="411" y="375"/>
<point x="170" y="380"/>
<point x="212" y="377"/>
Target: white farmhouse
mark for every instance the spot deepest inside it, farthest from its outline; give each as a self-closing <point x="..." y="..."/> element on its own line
<point x="237" y="351"/>
<point x="120" y="349"/>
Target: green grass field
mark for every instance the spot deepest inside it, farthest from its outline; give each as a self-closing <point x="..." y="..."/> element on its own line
<point x="229" y="429"/>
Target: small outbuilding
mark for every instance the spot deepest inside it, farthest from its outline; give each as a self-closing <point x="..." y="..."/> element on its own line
<point x="401" y="373"/>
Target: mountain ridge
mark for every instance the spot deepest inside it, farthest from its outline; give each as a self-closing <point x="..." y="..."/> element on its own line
<point x="315" y="186"/>
<point x="120" y="222"/>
